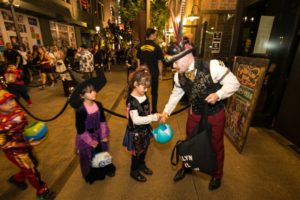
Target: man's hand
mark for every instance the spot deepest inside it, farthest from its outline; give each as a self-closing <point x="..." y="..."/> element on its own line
<point x="212" y="98"/>
<point x="163" y="117"/>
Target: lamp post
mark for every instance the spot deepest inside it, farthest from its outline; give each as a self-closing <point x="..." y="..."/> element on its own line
<point x="194" y="28"/>
<point x="193" y="16"/>
<point x="99" y="36"/>
<point x="11" y="5"/>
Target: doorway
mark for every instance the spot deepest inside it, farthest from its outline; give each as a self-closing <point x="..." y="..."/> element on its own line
<point x="287" y="123"/>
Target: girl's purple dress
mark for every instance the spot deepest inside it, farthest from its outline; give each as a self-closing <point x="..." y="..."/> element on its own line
<point x="91" y="128"/>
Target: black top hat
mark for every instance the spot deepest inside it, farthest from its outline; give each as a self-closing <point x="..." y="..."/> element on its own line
<point x="97" y="82"/>
<point x="173" y="49"/>
<point x="174" y="53"/>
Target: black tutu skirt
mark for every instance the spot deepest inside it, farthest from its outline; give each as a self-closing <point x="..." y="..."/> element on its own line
<point x="135" y="144"/>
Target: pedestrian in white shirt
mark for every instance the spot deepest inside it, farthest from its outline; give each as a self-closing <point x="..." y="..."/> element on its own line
<point x="86" y="59"/>
<point x="203" y="82"/>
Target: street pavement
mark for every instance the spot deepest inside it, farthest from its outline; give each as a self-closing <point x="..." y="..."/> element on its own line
<point x="267" y="168"/>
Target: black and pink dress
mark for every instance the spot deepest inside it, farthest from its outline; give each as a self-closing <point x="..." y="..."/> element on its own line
<point x="91" y="128"/>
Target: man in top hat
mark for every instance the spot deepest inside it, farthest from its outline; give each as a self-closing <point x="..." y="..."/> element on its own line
<point x="203" y="82"/>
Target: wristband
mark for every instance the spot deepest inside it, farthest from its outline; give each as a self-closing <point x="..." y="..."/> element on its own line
<point x="166" y="116"/>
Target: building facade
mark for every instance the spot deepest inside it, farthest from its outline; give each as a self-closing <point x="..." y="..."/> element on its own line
<point x="261" y="29"/>
<point x="66" y="23"/>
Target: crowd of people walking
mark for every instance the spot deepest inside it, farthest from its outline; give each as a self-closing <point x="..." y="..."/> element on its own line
<point x="45" y="65"/>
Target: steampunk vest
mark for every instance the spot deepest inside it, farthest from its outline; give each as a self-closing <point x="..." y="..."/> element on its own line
<point x="200" y="88"/>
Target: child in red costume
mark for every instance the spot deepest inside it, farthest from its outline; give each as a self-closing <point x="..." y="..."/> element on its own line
<point x="15" y="84"/>
<point x="17" y="149"/>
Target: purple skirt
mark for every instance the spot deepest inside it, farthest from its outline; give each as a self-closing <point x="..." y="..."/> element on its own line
<point x="86" y="155"/>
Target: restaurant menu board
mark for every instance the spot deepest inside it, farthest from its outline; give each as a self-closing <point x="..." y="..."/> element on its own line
<point x="241" y="105"/>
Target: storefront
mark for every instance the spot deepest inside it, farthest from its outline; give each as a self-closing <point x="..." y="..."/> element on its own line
<point x="261" y="29"/>
<point x="213" y="30"/>
<point x="29" y="28"/>
<point x="270" y="29"/>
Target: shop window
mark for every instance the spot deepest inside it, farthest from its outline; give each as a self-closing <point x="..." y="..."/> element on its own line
<point x="63" y="35"/>
<point x="215" y="36"/>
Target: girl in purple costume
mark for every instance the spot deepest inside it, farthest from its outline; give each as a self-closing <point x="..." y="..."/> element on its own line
<point x="92" y="135"/>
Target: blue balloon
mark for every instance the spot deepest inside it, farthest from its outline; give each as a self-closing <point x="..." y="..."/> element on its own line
<point x="162" y="133"/>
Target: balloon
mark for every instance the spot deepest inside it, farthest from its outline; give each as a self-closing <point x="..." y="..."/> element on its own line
<point x="35" y="131"/>
<point x="163" y="133"/>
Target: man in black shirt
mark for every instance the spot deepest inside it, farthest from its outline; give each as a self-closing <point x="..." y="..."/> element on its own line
<point x="150" y="54"/>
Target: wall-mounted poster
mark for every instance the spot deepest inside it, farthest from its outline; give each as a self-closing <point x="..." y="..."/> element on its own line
<point x="38" y="39"/>
<point x="62" y="27"/>
<point x="2" y="47"/>
<point x="37" y="36"/>
<point x="28" y="27"/>
<point x="22" y="28"/>
<point x="7" y="15"/>
<point x="9" y="26"/>
<point x="241" y="106"/>
<point x="13" y="40"/>
<point x="32" y="21"/>
<point x="20" y="18"/>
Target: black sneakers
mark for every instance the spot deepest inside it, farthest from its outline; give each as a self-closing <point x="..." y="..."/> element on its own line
<point x="21" y="185"/>
<point x="146" y="170"/>
<point x="138" y="176"/>
<point x="180" y="174"/>
<point x="110" y="174"/>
